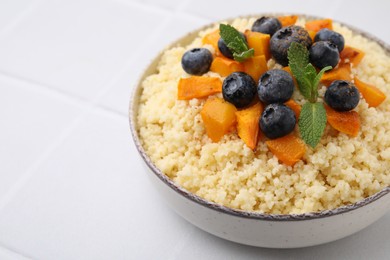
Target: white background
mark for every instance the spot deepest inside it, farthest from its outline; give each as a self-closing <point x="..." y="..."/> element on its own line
<point x="71" y="182"/>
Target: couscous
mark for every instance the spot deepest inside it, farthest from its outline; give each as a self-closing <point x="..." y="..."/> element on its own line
<point x="340" y="169"/>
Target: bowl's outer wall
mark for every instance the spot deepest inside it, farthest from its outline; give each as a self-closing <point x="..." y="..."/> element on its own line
<point x="272" y="234"/>
<point x="255" y="231"/>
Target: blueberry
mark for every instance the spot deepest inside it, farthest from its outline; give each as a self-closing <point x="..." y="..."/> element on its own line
<point x="267" y="25"/>
<point x="275" y="86"/>
<point x="282" y="39"/>
<point x="331" y="36"/>
<point x="342" y="95"/>
<point x="197" y="61"/>
<point x="324" y="54"/>
<point x="223" y="48"/>
<point x="277" y="120"/>
<point x="239" y="89"/>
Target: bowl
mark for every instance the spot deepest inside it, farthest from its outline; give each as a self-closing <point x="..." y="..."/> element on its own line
<point x="251" y="228"/>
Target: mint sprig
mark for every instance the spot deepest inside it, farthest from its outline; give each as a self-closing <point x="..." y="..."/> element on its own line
<point x="235" y="42"/>
<point x="312" y="120"/>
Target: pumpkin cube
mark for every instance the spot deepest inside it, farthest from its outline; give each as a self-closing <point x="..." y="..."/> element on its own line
<point x="248" y="124"/>
<point x="317" y="25"/>
<point x="219" y="117"/>
<point x="373" y="96"/>
<point x="224" y="66"/>
<point x="198" y="87"/>
<point x="351" y="55"/>
<point x="346" y="122"/>
<point x="256" y="66"/>
<point x="288" y="149"/>
<point x="259" y="42"/>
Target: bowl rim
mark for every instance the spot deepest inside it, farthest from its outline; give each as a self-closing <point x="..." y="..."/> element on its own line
<point x="133" y="108"/>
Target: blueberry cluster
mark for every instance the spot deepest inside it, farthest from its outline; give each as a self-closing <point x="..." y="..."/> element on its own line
<point x="324" y="52"/>
<point x="326" y="48"/>
<point x="274" y="88"/>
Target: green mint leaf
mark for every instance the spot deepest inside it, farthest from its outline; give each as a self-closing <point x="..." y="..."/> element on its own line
<point x="311" y="74"/>
<point x="298" y="60"/>
<point x="228" y="33"/>
<point x="312" y="122"/>
<point x="317" y="79"/>
<point x="244" y="55"/>
<point x="238" y="45"/>
<point x="304" y="72"/>
<point x="235" y="42"/>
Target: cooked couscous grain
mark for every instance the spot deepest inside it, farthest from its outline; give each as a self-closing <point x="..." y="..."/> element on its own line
<point x="339" y="171"/>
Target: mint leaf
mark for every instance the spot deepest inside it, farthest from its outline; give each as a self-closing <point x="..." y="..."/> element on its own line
<point x="304" y="72"/>
<point x="235" y="42"/>
<point x="319" y="75"/>
<point x="310" y="74"/>
<point x="238" y="45"/>
<point x="298" y="56"/>
<point x="312" y="122"/>
<point x="244" y="55"/>
<point x="298" y="61"/>
<point x="228" y="33"/>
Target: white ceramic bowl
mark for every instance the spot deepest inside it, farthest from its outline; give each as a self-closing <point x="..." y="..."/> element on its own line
<point x="256" y="229"/>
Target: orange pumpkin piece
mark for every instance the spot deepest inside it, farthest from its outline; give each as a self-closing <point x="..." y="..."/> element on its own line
<point x="256" y="66"/>
<point x="312" y="34"/>
<point x="198" y="87"/>
<point x="373" y="96"/>
<point x="259" y="42"/>
<point x="295" y="107"/>
<point x="212" y="39"/>
<point x="289" y="149"/>
<point x="224" y="66"/>
<point x="288" y="20"/>
<point x="343" y="72"/>
<point x="287" y="69"/>
<point x="318" y="25"/>
<point x="346" y="122"/>
<point x="351" y="55"/>
<point x="218" y="117"/>
<point x="248" y="124"/>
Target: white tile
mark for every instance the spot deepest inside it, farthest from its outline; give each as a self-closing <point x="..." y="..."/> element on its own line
<point x="30" y="122"/>
<point x="92" y="200"/>
<point x="223" y="9"/>
<point x="11" y="9"/>
<point x="179" y="25"/>
<point x="170" y="4"/>
<point x="76" y="46"/>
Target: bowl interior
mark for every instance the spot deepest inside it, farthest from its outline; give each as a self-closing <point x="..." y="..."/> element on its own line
<point x="133" y="110"/>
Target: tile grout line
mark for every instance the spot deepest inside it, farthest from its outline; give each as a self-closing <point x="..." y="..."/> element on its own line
<point x="25" y="177"/>
<point x="6" y="249"/>
<point x="90" y="106"/>
<point x="44" y="88"/>
<point x="81" y="100"/>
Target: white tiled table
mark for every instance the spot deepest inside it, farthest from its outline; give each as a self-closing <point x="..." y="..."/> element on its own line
<point x="71" y="182"/>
